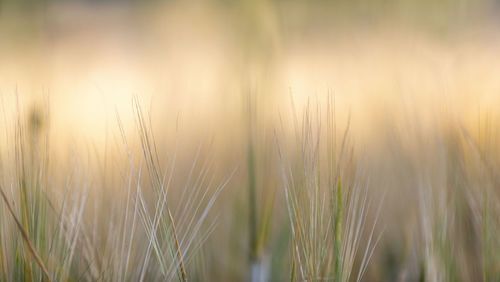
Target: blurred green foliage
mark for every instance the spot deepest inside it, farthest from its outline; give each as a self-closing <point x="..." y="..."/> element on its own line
<point x="254" y="16"/>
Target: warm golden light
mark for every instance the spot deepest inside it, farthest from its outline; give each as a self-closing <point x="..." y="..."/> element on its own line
<point x="249" y="140"/>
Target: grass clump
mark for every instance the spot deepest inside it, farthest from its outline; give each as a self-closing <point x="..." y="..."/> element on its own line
<point x="133" y="230"/>
<point x="327" y="202"/>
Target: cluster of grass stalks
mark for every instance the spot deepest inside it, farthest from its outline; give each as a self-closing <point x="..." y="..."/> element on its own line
<point x="327" y="201"/>
<point x="51" y="232"/>
<point x="38" y="240"/>
<point x="311" y="207"/>
<point x="453" y="175"/>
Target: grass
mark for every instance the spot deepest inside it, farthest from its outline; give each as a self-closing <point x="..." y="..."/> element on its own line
<point x="311" y="210"/>
<point x="25" y="236"/>
<point x="57" y="244"/>
<point x="325" y="234"/>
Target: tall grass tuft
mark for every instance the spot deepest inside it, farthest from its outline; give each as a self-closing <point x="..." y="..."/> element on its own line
<point x="326" y="234"/>
<point x="175" y="233"/>
<point x="132" y="229"/>
<point x="42" y="243"/>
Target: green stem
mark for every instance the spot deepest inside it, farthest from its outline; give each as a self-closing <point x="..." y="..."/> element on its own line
<point x="338" y="234"/>
<point x="252" y="203"/>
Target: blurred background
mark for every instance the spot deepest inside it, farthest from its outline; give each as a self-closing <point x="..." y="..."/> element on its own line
<point x="202" y="56"/>
<point x="416" y="80"/>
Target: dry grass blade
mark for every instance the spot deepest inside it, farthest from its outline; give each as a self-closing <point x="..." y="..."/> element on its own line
<point x="25" y="236"/>
<point x="151" y="157"/>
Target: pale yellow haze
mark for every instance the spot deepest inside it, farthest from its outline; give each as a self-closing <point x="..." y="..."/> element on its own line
<point x="193" y="61"/>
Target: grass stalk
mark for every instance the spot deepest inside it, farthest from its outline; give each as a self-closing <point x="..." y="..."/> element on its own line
<point x="338" y="233"/>
<point x="252" y="204"/>
<point x="485" y="245"/>
<point x="25" y="236"/>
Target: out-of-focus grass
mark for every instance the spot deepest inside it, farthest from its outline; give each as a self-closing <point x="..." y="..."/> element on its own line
<point x="327" y="202"/>
<point x="133" y="211"/>
<point x="133" y="233"/>
<point x="105" y="190"/>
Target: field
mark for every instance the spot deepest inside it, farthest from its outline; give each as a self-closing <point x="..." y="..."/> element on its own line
<point x="249" y="140"/>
